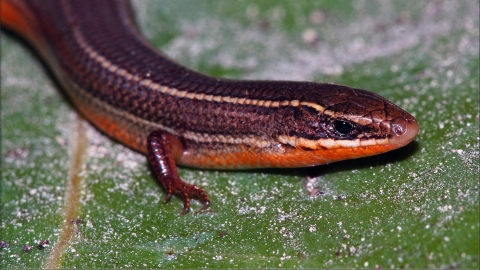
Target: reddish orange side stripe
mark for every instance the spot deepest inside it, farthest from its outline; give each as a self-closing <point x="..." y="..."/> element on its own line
<point x="16" y="18"/>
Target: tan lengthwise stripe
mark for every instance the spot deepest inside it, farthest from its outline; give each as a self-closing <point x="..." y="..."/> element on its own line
<point x="253" y="141"/>
<point x="104" y="62"/>
<point x="208" y="138"/>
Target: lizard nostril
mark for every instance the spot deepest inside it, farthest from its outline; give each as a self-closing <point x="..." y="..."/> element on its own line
<point x="399" y="126"/>
<point x="403" y="129"/>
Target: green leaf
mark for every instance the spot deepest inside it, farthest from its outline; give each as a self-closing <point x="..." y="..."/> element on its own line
<point x="415" y="207"/>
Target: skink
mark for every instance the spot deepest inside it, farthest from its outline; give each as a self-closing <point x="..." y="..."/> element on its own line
<point x="177" y="116"/>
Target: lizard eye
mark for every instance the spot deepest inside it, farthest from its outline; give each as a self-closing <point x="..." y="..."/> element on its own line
<point x="342" y="127"/>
